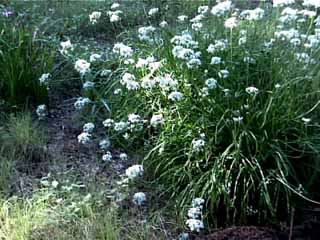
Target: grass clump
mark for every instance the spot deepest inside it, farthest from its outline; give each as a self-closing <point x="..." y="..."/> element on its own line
<point x="24" y="57"/>
<point x="227" y="113"/>
<point x="23" y="140"/>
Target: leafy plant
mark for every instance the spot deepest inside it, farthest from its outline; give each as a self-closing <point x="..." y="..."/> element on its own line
<point x="241" y="132"/>
<point x="23" y="58"/>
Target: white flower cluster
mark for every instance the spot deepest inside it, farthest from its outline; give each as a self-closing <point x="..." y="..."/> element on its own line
<point x="104" y="144"/>
<point x="42" y="111"/>
<point x="231" y="22"/>
<point x="145" y="32"/>
<point x="175" y="96"/>
<point x="184" y="50"/>
<point x="145" y="62"/>
<point x="81" y="103"/>
<point x="195" y="222"/>
<point x="139" y="198"/>
<point x="218" y="46"/>
<point x="253" y="91"/>
<point x="82" y="66"/>
<point x="84" y="138"/>
<point x="182" y="18"/>
<point x="281" y="3"/>
<point x="198" y="145"/>
<point x="129" y="80"/>
<point x="157" y="120"/>
<point x="311" y="3"/>
<point x="95" y="57"/>
<point x="222" y="8"/>
<point x="252" y="15"/>
<point x="87" y="85"/>
<point x="88" y="127"/>
<point x="94" y="17"/>
<point x="123" y="50"/>
<point x="44" y="79"/>
<point x="153" y="11"/>
<point x="66" y="47"/>
<point x="107" y="157"/>
<point x="114" y="16"/>
<point x="134" y="172"/>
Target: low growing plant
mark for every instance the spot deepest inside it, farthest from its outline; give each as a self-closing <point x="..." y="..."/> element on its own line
<point x="225" y="105"/>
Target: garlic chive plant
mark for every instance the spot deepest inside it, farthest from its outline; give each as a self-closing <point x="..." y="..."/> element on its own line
<point x="223" y="103"/>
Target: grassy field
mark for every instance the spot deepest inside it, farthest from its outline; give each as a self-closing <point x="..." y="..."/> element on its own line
<point x="159" y="119"/>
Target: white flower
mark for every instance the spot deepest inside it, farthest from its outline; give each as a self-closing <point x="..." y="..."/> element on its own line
<point x="194" y="213"/>
<point x="95" y="57"/>
<point x="311" y="3"/>
<point x="134" y="118"/>
<point x="157" y="120"/>
<point x="123" y="157"/>
<point x="231" y="22"/>
<point x="193" y="63"/>
<point x="277" y="86"/>
<point x="105" y="72"/>
<point x="66" y="46"/>
<point x="144" y="33"/>
<point x="54" y="184"/>
<point x="252" y="15"/>
<point x="163" y="24"/>
<point x="252" y="90"/>
<point x="104" y="144"/>
<point x="249" y="60"/>
<point x="114" y="6"/>
<point x="82" y="66"/>
<point x="139" y="198"/>
<point x="123" y="50"/>
<point x="211" y="83"/>
<point x="88" y="85"/>
<point x="42" y="111"/>
<point x="182" y="18"/>
<point x="204" y="92"/>
<point x="306" y="120"/>
<point x="117" y="91"/>
<point x="153" y="11"/>
<point x="134" y="171"/>
<point x="197" y="26"/>
<point x="108" y="123"/>
<point x="128" y="80"/>
<point x="280" y="3"/>
<point x="114" y="18"/>
<point x="215" y="60"/>
<point x="238" y="119"/>
<point x="175" y="96"/>
<point x="107" y="157"/>
<point x="94" y="17"/>
<point x="223" y="73"/>
<point x="195" y="225"/>
<point x="88" y="127"/>
<point x="242" y="40"/>
<point x="84" y="138"/>
<point x="120" y="126"/>
<point x="128" y="61"/>
<point x="81" y="102"/>
<point x="221" y="8"/>
<point x="198" y="145"/>
<point x="166" y="82"/>
<point x="198" y="202"/>
<point x="203" y="9"/>
<point x="219" y="45"/>
<point x="44" y="79"/>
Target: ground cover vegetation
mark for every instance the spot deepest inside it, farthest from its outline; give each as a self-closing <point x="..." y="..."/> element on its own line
<point x="182" y="116"/>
